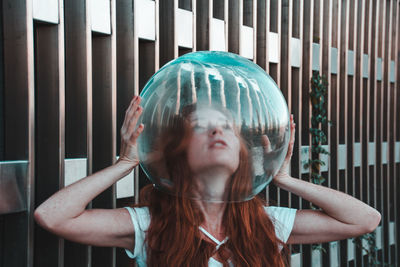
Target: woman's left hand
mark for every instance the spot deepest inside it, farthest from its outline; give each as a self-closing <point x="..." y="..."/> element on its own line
<point x="284" y="170"/>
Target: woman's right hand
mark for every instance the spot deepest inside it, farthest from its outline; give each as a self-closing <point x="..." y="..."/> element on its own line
<point x="130" y="133"/>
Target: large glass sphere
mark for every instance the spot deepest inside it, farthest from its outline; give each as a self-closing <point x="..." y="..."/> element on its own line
<point x="216" y="127"/>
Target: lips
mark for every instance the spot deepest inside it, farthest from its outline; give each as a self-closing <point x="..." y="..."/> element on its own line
<point x="218" y="143"/>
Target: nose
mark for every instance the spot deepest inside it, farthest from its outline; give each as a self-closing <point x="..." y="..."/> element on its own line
<point x="216" y="129"/>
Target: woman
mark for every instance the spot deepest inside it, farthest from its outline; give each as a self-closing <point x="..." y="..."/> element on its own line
<point x="177" y="231"/>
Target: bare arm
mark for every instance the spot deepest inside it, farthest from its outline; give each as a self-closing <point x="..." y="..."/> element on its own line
<point x="64" y="212"/>
<point x="341" y="216"/>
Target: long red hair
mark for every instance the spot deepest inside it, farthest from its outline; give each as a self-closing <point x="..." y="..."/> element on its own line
<point x="173" y="237"/>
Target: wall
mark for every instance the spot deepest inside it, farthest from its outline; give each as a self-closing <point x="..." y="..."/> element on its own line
<point x="69" y="69"/>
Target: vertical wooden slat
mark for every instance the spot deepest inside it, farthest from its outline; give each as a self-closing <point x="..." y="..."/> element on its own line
<point x="396" y="130"/>
<point x="194" y="25"/>
<point x="127" y="68"/>
<point x="262" y="34"/>
<point x="2" y="245"/>
<point x="383" y="132"/>
<point x="373" y="100"/>
<point x="304" y="120"/>
<point x="371" y="92"/>
<point x="104" y="122"/>
<point x="378" y="120"/>
<point x="296" y="92"/>
<point x="325" y="41"/>
<point x="285" y="38"/>
<point x="385" y="115"/>
<point x="255" y="26"/>
<point x="391" y="131"/>
<point x="274" y="12"/>
<point x="297" y="95"/>
<point x="235" y="21"/>
<point x="203" y="23"/>
<point x="285" y="69"/>
<point x="334" y="107"/>
<point x="364" y="109"/>
<point x="1" y="90"/>
<point x="77" y="102"/>
<point x="168" y="36"/>
<point x="50" y="154"/>
<point x="127" y="59"/>
<point x="349" y="131"/>
<point x="16" y="22"/>
<point x="368" y="49"/>
<point x="358" y="95"/>
<point x="342" y="88"/>
<point x="18" y="131"/>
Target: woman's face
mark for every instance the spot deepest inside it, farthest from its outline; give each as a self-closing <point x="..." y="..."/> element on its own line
<point x="214" y="143"/>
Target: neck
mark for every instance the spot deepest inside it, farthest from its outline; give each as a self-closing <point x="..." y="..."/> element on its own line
<point x="211" y="185"/>
<point x="213" y="214"/>
<point x="211" y="194"/>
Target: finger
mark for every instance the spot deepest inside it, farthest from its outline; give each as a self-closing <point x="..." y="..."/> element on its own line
<point x="131" y="112"/>
<point x="265" y="140"/>
<point x="134" y="119"/>
<point x="136" y="134"/>
<point x="291" y="144"/>
<point x="127" y="112"/>
<point x="266" y="143"/>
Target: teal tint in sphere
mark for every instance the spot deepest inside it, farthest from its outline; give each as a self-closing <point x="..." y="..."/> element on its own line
<point x="216" y="127"/>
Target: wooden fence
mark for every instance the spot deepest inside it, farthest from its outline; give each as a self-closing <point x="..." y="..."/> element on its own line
<point x="69" y="69"/>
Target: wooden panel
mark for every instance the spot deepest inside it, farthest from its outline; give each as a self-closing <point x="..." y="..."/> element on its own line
<point x="203" y="24"/>
<point x="78" y="102"/>
<point x="285" y="69"/>
<point x="262" y="34"/>
<point x="378" y="112"/>
<point x="296" y="95"/>
<point x="384" y="255"/>
<point x="357" y="32"/>
<point x="285" y="38"/>
<point x="396" y="54"/>
<point x="363" y="100"/>
<point x="49" y="154"/>
<point x="325" y="41"/>
<point x="303" y="119"/>
<point x="127" y="78"/>
<point x="273" y="192"/>
<point x="104" y="123"/>
<point x="16" y="239"/>
<point x="2" y="100"/>
<point x="127" y="60"/>
<point x="185" y="4"/>
<point x="234" y="25"/>
<point x="168" y="37"/>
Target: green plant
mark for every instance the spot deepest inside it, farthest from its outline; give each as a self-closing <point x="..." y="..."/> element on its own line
<point x="318" y="93"/>
<point x="367" y="244"/>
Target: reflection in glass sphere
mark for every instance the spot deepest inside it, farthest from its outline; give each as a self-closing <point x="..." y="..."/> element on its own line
<point x="216" y="127"/>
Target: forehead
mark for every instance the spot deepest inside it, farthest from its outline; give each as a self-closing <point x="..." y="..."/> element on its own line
<point x="208" y="114"/>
